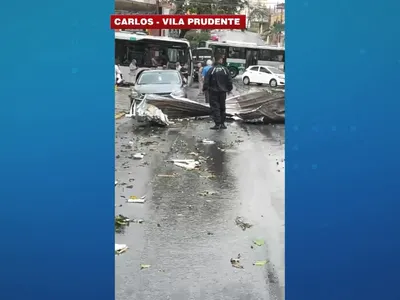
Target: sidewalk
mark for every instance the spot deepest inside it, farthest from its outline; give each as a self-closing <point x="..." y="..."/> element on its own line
<point x="121" y="102"/>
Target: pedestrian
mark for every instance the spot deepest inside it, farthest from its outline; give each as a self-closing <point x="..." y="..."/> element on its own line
<point x="201" y="79"/>
<point x="118" y="74"/>
<point x="203" y="75"/>
<point x="132" y="70"/>
<point x="218" y="82"/>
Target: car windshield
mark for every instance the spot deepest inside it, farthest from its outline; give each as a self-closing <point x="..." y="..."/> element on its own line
<point x="160" y="78"/>
<point x="276" y="70"/>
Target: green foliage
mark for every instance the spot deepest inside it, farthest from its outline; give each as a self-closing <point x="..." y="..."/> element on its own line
<point x="195" y="37"/>
<point x="259" y="12"/>
<point x="208" y="7"/>
<point x="278" y="27"/>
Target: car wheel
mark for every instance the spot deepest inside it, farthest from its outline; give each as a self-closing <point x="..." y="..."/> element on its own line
<point x="273" y="83"/>
<point x="246" y="80"/>
<point x="233" y="71"/>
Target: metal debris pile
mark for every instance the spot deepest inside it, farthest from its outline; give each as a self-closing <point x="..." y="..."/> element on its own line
<point x="267" y="106"/>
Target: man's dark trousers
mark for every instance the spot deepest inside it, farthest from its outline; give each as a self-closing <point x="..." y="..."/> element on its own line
<point x="218" y="106"/>
<point x="207" y="96"/>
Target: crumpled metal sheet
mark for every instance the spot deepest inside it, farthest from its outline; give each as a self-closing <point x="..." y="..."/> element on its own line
<point x="148" y="113"/>
<point x="178" y="107"/>
<point x="266" y="104"/>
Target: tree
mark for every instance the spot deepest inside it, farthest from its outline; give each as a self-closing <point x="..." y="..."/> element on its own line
<point x="207" y="7"/>
<point x="195" y="37"/>
<point x="258" y="13"/>
<point x="276" y="29"/>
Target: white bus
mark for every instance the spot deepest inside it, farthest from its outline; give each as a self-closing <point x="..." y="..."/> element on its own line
<point x="151" y="52"/>
<point x="239" y="55"/>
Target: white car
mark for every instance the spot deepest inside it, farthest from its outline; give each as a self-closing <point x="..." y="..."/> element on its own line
<point x="264" y="75"/>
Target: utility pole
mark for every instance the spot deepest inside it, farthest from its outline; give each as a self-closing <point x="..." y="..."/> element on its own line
<point x="157" y="13"/>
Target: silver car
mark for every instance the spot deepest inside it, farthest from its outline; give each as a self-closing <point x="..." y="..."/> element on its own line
<point x="160" y="82"/>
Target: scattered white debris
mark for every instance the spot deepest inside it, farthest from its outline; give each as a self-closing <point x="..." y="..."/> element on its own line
<point x="188" y="164"/>
<point x="236" y="118"/>
<point x="134" y="199"/>
<point x="131" y="143"/>
<point x="207" y="142"/>
<point x="116" y="182"/>
<point x="120" y="248"/>
<point x="138" y="156"/>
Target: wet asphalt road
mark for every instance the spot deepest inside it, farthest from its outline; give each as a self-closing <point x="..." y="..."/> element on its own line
<point x="188" y="238"/>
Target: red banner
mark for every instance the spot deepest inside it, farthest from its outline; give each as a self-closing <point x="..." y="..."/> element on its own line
<point x="178" y="22"/>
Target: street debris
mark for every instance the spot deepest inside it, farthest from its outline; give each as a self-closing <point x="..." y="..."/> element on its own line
<point x="144" y="266"/>
<point x="134" y="199"/>
<point x="116" y="182"/>
<point x="242" y="224"/>
<point x="208" y="193"/>
<point x="212" y="176"/>
<point x="188" y="164"/>
<point x="259" y="242"/>
<point x="166" y="175"/>
<point x="138" y="156"/>
<point x="145" y="112"/>
<point x="260" y="263"/>
<point x="121" y="222"/>
<point x="267" y="105"/>
<point x="235" y="262"/>
<point x="120" y="248"/>
<point x="131" y="143"/>
<point x="207" y="142"/>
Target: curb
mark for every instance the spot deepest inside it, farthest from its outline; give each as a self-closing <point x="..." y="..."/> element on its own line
<point x="119" y="115"/>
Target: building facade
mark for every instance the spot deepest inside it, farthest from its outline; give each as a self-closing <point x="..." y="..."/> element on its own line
<point x="145" y="7"/>
<point x="277" y="16"/>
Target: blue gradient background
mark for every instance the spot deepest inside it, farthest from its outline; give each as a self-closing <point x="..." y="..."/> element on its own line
<point x="57" y="150"/>
<point x="342" y="150"/>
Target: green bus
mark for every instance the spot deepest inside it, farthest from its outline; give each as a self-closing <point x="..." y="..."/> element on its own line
<point x="239" y="55"/>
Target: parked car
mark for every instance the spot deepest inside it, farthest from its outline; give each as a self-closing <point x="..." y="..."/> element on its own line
<point x="160" y="82"/>
<point x="264" y="75"/>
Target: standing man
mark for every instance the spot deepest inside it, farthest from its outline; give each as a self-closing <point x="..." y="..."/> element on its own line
<point x="218" y="82"/>
<point x="203" y="75"/>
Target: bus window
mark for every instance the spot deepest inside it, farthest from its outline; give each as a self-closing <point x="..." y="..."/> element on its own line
<point x="272" y="55"/>
<point x="278" y="55"/>
<point x="264" y="55"/>
<point x="220" y="51"/>
<point x="237" y="53"/>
